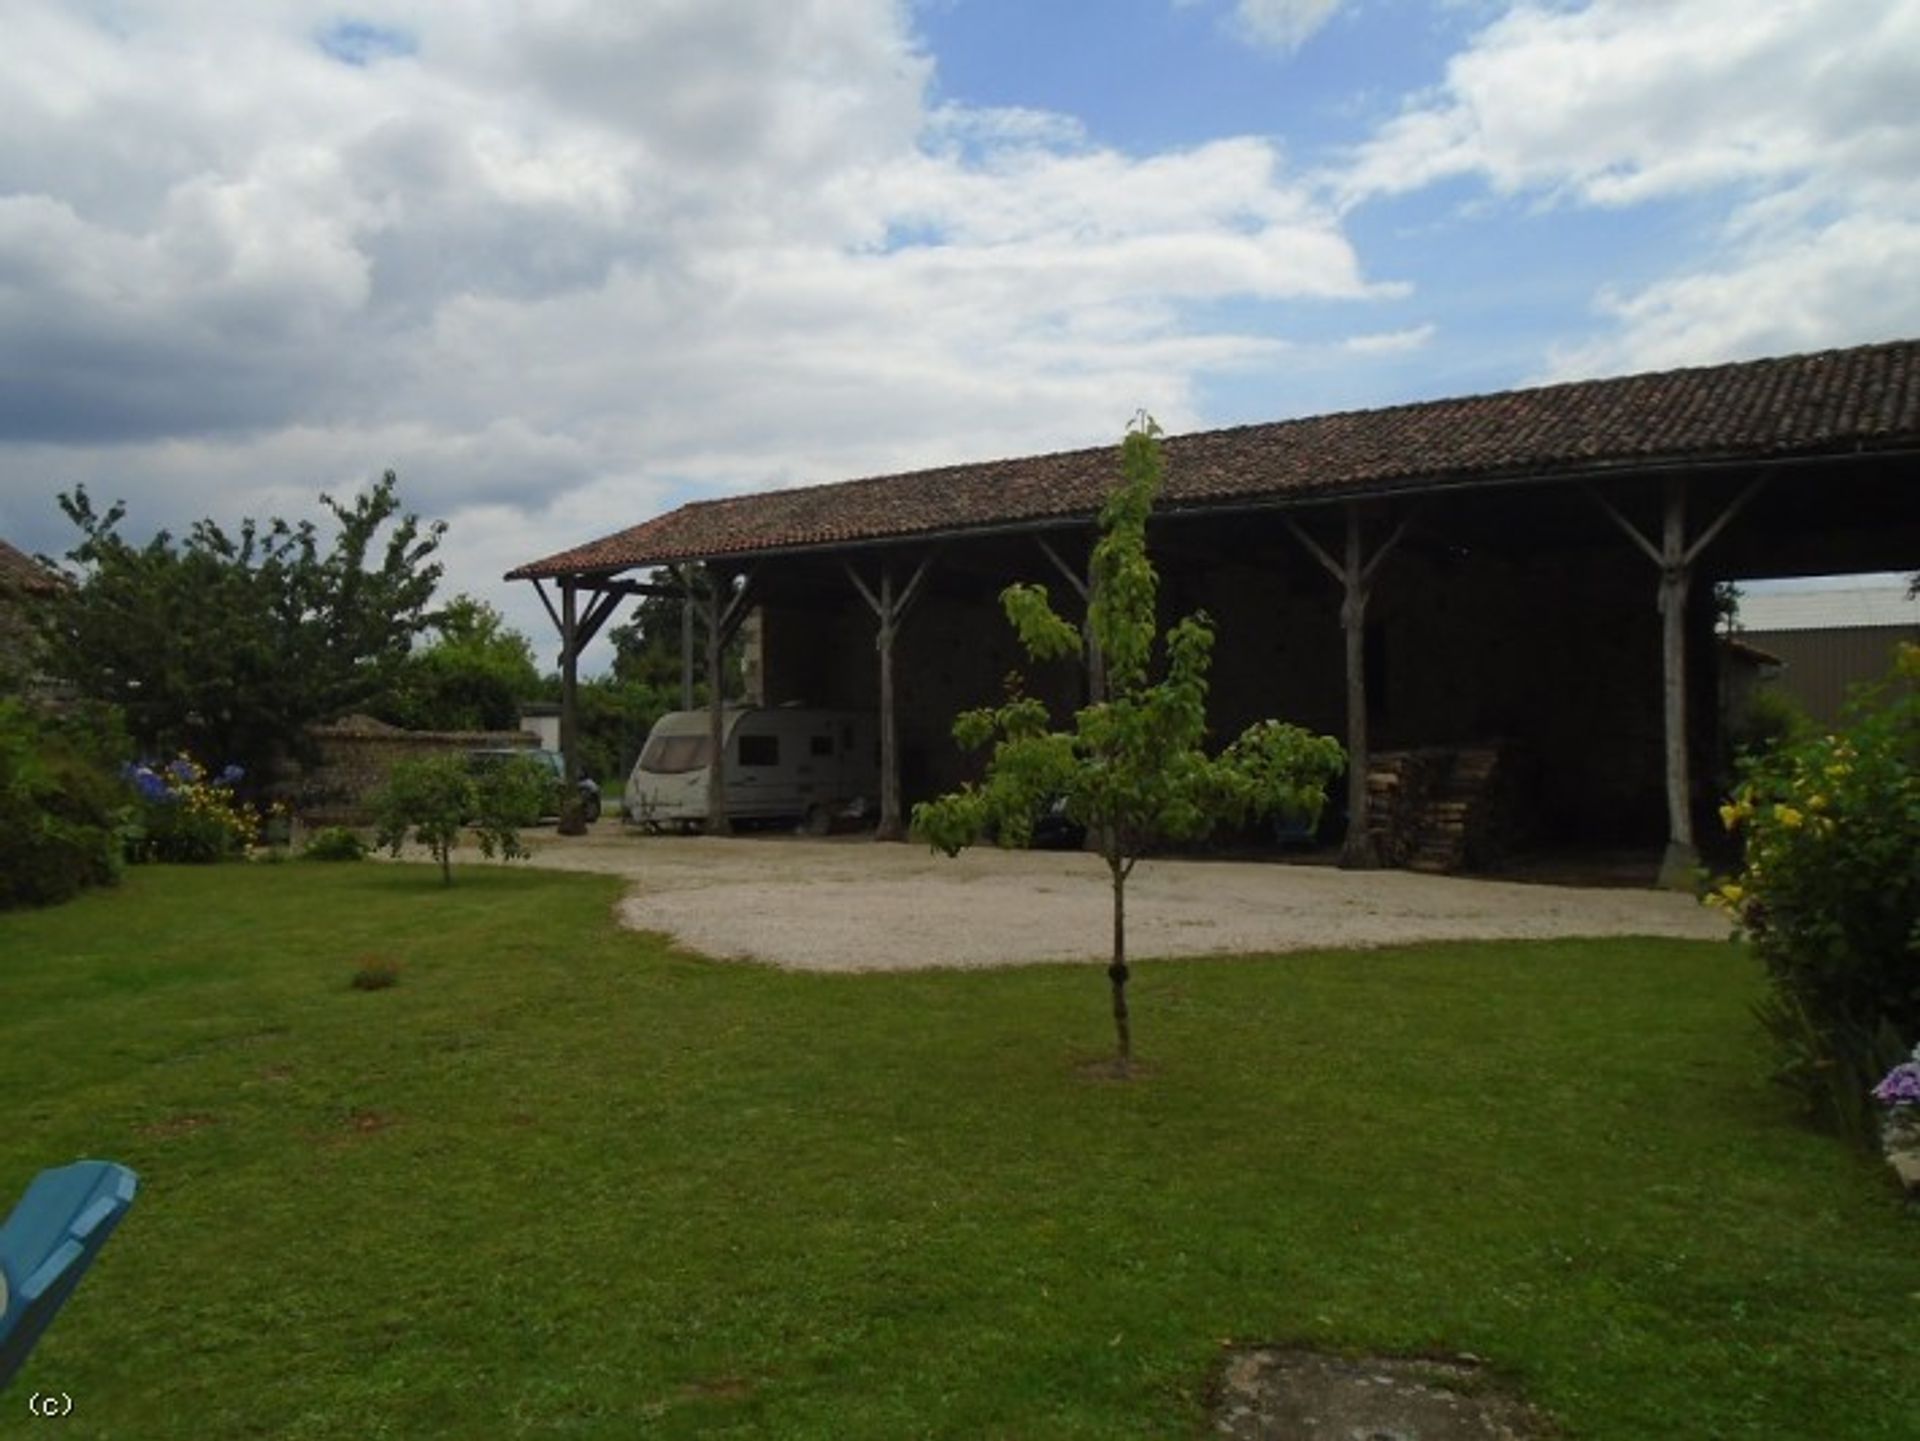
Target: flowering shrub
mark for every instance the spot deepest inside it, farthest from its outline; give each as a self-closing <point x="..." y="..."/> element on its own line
<point x="1829" y="896"/>
<point x="187" y="815"/>
<point x="1899" y="1092"/>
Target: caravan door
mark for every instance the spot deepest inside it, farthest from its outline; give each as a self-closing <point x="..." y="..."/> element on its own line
<point x="755" y="769"/>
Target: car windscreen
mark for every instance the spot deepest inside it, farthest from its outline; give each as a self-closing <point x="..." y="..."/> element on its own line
<point x="674" y="755"/>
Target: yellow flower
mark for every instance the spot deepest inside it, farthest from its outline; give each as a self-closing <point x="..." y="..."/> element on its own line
<point x="1816" y="802"/>
<point x="1730" y="816"/>
<point x="1788" y="817"/>
<point x="1731" y="892"/>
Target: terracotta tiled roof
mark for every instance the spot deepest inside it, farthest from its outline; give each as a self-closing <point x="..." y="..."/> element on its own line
<point x="1838" y="400"/>
<point x="21" y="572"/>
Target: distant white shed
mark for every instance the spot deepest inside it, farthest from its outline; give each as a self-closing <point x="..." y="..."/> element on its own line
<point x="1830" y="639"/>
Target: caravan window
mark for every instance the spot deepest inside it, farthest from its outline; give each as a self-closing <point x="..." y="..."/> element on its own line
<point x="759" y="750"/>
<point x="674" y="755"/>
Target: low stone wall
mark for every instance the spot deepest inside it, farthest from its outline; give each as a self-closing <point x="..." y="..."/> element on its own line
<point x="358" y="754"/>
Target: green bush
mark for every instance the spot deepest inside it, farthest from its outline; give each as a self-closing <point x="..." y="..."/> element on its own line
<point x="334" y="843"/>
<point x="375" y="973"/>
<point x="62" y="807"/>
<point x="1829" y="895"/>
<point x="1771" y="717"/>
<point x="431" y="801"/>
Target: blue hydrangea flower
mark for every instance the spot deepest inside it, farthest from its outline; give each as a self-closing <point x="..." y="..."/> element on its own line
<point x="151" y="785"/>
<point x="1901" y="1087"/>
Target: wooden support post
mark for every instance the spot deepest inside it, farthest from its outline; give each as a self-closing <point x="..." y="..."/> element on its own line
<point x="723" y="620"/>
<point x="573" y="821"/>
<point x="892" y="826"/>
<point x="686" y="637"/>
<point x="1083" y="587"/>
<point x="576" y="633"/>
<point x="1677" y="865"/>
<point x="1675" y="558"/>
<point x="1355" y="572"/>
<point x="1359" y="852"/>
<point x="717" y="823"/>
<point x="889" y="610"/>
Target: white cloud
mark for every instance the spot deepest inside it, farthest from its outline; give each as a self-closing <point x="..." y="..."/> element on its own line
<point x="1276" y="24"/>
<point x="1283" y="24"/>
<point x="562" y="263"/>
<point x="1796" y="115"/>
<point x="1622" y="100"/>
<point x="1804" y="290"/>
<point x="1390" y="342"/>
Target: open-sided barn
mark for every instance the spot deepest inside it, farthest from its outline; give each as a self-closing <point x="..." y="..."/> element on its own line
<point x="1506" y="594"/>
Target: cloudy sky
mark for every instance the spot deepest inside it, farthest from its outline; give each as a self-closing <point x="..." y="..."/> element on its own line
<point x="564" y="264"/>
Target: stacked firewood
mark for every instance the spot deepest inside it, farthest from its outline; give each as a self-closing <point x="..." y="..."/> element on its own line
<point x="1439" y="809"/>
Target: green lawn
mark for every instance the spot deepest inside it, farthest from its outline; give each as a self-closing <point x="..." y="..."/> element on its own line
<point x="563" y="1180"/>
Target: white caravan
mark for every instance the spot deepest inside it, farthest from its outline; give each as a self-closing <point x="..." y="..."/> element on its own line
<point x="781" y="762"/>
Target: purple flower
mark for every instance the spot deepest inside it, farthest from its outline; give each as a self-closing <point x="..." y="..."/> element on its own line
<point x="183" y="770"/>
<point x="1901" y="1087"/>
<point x="230" y="776"/>
<point x="150" y="786"/>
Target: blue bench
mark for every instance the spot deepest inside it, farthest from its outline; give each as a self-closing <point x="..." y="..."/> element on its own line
<point x="47" y="1244"/>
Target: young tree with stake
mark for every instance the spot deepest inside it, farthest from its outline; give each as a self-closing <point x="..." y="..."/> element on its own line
<point x="1132" y="769"/>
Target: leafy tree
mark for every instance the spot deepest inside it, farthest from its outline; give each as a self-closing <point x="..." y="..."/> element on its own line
<point x="1132" y="769"/>
<point x="472" y="676"/>
<point x="432" y="800"/>
<point x="647" y="649"/>
<point x="1727" y="596"/>
<point x="228" y="645"/>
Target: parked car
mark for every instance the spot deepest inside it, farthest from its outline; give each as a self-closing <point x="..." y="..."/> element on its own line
<point x="1055" y="830"/>
<point x="550" y="761"/>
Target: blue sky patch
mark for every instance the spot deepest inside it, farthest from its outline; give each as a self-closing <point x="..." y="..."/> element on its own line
<point x="361" y="42"/>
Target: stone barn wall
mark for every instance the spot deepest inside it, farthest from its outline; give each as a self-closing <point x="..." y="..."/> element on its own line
<point x="356" y="756"/>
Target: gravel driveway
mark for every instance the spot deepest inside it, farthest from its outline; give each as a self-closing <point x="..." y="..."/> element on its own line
<point x="849" y="904"/>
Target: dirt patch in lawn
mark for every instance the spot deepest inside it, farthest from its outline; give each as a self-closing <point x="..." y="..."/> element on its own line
<point x="173" y="1127"/>
<point x="1273" y="1393"/>
<point x="358" y="1124"/>
<point x="851" y="904"/>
